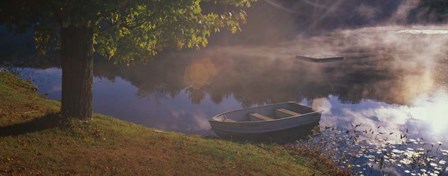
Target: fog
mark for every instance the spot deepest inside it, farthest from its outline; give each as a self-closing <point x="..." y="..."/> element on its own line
<point x="277" y="20"/>
<point x="394" y="76"/>
<point x="390" y="58"/>
<point x="392" y="34"/>
<point x="391" y="30"/>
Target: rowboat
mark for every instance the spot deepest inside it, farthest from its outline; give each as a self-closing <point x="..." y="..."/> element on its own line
<point x="264" y="119"/>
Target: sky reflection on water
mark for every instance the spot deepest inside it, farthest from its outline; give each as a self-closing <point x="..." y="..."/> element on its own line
<point x="392" y="83"/>
<point x="424" y="116"/>
<point x="394" y="79"/>
<point x="119" y="98"/>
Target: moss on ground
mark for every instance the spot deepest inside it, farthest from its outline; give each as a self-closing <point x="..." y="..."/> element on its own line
<point x="35" y="140"/>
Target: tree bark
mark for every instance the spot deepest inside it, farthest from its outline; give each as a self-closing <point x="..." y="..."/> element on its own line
<point x="77" y="72"/>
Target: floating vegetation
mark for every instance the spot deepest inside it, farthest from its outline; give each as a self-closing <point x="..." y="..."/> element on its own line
<point x="4" y="69"/>
<point x="376" y="152"/>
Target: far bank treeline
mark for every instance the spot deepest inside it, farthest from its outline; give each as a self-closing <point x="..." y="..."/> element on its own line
<point x="123" y="31"/>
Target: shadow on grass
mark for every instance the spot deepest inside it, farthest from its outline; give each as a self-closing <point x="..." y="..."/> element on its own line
<point x="48" y="121"/>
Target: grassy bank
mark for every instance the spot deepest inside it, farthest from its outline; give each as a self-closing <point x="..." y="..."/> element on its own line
<point x="34" y="140"/>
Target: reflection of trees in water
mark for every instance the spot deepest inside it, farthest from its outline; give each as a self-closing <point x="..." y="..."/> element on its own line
<point x="262" y="80"/>
<point x="259" y="80"/>
<point x="162" y="76"/>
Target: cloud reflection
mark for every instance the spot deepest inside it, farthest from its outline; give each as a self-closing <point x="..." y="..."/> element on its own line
<point x="433" y="109"/>
<point x="425" y="117"/>
<point x="389" y="79"/>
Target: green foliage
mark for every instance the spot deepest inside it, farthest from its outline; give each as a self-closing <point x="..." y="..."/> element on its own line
<point x="126" y="30"/>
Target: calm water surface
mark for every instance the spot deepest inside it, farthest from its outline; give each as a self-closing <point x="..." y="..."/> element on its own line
<point x="393" y="80"/>
<point x="182" y="92"/>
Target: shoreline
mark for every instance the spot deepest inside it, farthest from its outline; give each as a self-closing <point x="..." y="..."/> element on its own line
<point x="35" y="140"/>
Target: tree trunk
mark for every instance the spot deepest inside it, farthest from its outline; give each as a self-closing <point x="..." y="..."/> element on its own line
<point x="77" y="72"/>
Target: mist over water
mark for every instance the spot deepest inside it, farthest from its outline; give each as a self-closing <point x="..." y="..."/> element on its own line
<point x="395" y="72"/>
<point x="392" y="76"/>
<point x="392" y="61"/>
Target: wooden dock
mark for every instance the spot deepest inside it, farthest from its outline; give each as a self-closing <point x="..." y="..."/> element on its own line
<point x="320" y="58"/>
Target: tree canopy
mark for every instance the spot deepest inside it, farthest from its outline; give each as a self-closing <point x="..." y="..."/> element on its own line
<point x="126" y="30"/>
<point x="121" y="30"/>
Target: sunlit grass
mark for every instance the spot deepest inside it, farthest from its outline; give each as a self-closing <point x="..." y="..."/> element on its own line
<point x="35" y="140"/>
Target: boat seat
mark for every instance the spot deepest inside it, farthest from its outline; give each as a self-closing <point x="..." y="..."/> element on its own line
<point x="258" y="117"/>
<point x="283" y="113"/>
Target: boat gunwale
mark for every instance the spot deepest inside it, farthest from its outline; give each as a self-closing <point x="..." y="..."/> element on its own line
<point x="273" y="120"/>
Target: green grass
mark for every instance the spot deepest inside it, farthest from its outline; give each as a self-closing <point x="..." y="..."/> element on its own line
<point x="35" y="140"/>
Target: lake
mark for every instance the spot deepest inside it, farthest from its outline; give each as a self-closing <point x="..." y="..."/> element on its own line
<point x="394" y="79"/>
<point x="182" y="94"/>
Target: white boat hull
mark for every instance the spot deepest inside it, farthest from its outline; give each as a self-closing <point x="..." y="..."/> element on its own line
<point x="237" y="126"/>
